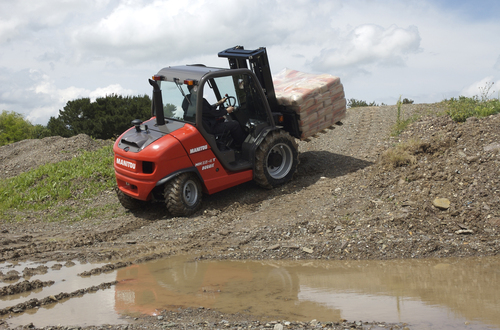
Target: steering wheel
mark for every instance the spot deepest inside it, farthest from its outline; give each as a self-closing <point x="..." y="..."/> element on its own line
<point x="230" y="100"/>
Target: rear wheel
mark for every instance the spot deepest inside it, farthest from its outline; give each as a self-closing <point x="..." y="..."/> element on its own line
<point x="183" y="195"/>
<point x="276" y="160"/>
<point x="128" y="202"/>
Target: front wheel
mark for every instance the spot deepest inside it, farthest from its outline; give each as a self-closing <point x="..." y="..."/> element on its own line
<point x="183" y="195"/>
<point x="276" y="160"/>
<point x="128" y="202"/>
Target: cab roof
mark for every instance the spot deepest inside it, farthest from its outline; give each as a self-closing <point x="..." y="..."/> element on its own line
<point x="186" y="72"/>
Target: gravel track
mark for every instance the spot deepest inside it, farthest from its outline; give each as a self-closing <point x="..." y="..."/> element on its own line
<point x="344" y="203"/>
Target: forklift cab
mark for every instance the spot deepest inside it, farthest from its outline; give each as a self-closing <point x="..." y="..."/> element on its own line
<point x="185" y="88"/>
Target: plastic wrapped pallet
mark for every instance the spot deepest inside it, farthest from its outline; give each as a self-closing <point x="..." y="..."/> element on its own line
<point x="318" y="99"/>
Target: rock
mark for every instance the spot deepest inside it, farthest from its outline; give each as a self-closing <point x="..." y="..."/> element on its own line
<point x="464" y="232"/>
<point x="291" y="246"/>
<point x="307" y="250"/>
<point x="440" y="176"/>
<point x="408" y="203"/>
<point x="492" y="147"/>
<point x="160" y="317"/>
<point x="278" y="327"/>
<point x="344" y="244"/>
<point x="273" y="247"/>
<point x="441" y="203"/>
<point x="494" y="221"/>
<point x="472" y="159"/>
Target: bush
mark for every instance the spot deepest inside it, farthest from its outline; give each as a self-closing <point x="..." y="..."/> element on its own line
<point x="477" y="106"/>
<point x="353" y="103"/>
<point x="13" y="128"/>
<point x="464" y="107"/>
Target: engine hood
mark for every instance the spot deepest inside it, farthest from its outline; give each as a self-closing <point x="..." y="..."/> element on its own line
<point x="134" y="140"/>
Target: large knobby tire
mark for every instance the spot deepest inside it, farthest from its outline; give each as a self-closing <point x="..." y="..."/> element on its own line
<point x="276" y="160"/>
<point x="128" y="202"/>
<point x="183" y="195"/>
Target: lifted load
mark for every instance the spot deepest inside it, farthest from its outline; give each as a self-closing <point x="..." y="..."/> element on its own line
<point x="319" y="100"/>
<point x="177" y="155"/>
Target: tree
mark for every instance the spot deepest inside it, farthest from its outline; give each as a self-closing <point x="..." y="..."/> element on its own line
<point x="57" y="127"/>
<point x="39" y="132"/>
<point x="169" y="110"/>
<point x="13" y="127"/>
<point x="105" y="118"/>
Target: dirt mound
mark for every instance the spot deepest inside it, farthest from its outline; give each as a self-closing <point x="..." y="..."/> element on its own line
<point x="433" y="191"/>
<point x="24" y="155"/>
<point x="451" y="184"/>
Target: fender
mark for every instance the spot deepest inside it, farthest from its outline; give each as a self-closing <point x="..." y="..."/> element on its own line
<point x="256" y="144"/>
<point x="176" y="173"/>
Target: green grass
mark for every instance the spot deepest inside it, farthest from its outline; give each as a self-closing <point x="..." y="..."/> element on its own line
<point x="51" y="186"/>
<point x="464" y="107"/>
<point x="477" y="106"/>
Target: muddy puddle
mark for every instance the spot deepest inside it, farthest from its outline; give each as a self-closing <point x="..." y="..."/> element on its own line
<point x="437" y="293"/>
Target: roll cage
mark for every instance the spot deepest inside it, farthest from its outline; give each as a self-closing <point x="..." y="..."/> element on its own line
<point x="253" y="111"/>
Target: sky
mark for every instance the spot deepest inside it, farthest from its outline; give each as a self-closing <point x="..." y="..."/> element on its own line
<point x="55" y="51"/>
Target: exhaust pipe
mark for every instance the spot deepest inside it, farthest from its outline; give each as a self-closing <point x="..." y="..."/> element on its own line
<point x="158" y="103"/>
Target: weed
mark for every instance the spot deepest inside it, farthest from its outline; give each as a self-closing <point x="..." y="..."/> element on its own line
<point x="401" y="155"/>
<point x="477" y="106"/>
<point x="401" y="122"/>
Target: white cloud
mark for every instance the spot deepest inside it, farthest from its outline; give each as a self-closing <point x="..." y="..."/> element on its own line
<point x="485" y="87"/>
<point x="109" y="90"/>
<point x="138" y="31"/>
<point x="59" y="50"/>
<point x="39" y="98"/>
<point x="369" y="45"/>
<point x="20" y="18"/>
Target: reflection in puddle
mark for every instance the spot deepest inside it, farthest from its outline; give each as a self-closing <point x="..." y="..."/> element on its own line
<point x="441" y="293"/>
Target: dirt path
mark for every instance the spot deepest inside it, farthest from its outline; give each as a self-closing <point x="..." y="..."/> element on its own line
<point x="344" y="203"/>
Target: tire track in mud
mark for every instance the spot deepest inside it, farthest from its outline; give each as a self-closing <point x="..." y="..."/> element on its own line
<point x="36" y="303"/>
<point x="81" y="239"/>
<point x="362" y="129"/>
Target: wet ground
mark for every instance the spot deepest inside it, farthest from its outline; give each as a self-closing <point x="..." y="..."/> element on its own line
<point x="433" y="293"/>
<point x="336" y="245"/>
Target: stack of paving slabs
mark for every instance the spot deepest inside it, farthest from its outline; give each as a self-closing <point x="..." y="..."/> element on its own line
<point x="319" y="99"/>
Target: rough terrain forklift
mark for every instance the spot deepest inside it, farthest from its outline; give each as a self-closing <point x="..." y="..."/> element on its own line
<point x="173" y="157"/>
